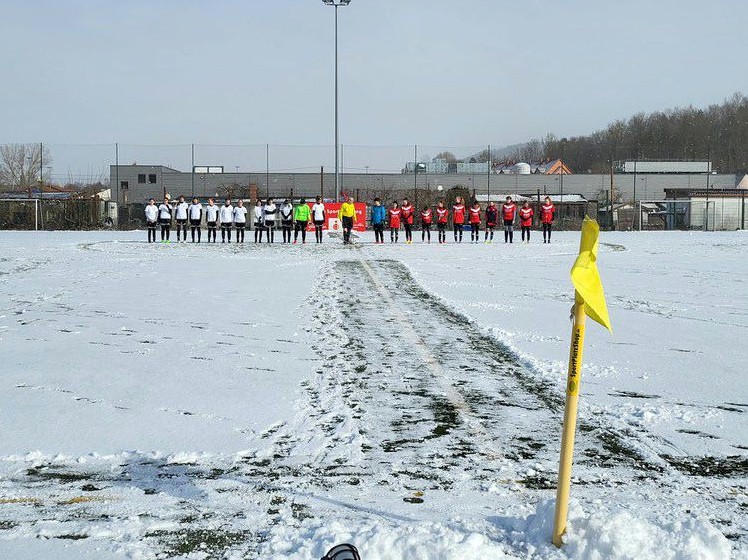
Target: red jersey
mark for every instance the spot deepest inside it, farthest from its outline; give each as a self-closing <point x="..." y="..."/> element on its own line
<point x="547" y="213"/>
<point x="395" y="214"/>
<point x="458" y="214"/>
<point x="407" y="213"/>
<point x="508" y="211"/>
<point x="525" y="216"/>
<point x="426" y="216"/>
<point x="474" y="215"/>
<point x="442" y="215"/>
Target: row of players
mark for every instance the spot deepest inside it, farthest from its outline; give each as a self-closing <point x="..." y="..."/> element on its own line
<point x="228" y="217"/>
<point x="461" y="215"/>
<point x="296" y="218"/>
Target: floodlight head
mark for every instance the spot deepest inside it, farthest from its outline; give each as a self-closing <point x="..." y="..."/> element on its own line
<point x="336" y="2"/>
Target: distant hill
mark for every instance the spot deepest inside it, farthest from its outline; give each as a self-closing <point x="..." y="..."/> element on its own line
<point x="718" y="133"/>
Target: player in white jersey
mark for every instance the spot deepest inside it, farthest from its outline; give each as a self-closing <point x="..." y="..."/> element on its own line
<point x="318" y="217"/>
<point x="180" y="214"/>
<point x="195" y="212"/>
<point x="259" y="214"/>
<point x="226" y="217"/>
<point x="151" y="219"/>
<point x="286" y="214"/>
<point x="240" y="220"/>
<point x="211" y="219"/>
<point x="164" y="219"/>
<point x="270" y="210"/>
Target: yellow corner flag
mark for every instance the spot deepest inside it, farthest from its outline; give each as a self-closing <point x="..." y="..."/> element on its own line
<point x="589" y="300"/>
<point x="585" y="277"/>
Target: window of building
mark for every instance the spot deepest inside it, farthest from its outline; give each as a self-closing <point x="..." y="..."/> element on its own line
<point x="124" y="184"/>
<point x="141" y="178"/>
<point x="152" y="178"/>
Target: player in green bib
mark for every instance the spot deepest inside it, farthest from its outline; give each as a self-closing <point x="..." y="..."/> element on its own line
<point x="301" y="215"/>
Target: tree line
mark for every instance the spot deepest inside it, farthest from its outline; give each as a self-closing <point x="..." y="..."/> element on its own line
<point x="718" y="133"/>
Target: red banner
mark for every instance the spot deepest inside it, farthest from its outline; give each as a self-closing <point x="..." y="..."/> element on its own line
<point x="331" y="216"/>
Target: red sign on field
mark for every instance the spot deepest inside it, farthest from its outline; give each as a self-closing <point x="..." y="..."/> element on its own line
<point x="331" y="216"/>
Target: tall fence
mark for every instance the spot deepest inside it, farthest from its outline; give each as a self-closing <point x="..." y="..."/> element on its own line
<point x="134" y="172"/>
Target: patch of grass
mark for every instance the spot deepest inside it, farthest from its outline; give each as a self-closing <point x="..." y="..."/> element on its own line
<point x="212" y="543"/>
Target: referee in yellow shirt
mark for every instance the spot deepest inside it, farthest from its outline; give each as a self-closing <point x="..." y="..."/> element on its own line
<point x="347" y="215"/>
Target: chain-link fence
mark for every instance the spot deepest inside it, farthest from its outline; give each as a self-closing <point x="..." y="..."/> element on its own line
<point x="128" y="174"/>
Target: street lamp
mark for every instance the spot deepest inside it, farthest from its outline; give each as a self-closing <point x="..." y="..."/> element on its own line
<point x="336" y="4"/>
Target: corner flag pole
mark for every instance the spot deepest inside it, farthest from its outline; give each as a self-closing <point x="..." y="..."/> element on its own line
<point x="589" y="300"/>
<point x="570" y="421"/>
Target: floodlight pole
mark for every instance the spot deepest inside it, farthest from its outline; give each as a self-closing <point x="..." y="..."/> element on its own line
<point x="336" y="4"/>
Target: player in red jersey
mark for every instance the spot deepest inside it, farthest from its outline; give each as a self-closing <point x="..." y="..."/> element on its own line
<point x="547" y="215"/>
<point x="458" y="218"/>
<point x="508" y="211"/>
<point x="474" y="217"/>
<point x="492" y="218"/>
<point x="442" y="217"/>
<point x="525" y="220"/>
<point x="408" y="213"/>
<point x="395" y="215"/>
<point x="426" y="219"/>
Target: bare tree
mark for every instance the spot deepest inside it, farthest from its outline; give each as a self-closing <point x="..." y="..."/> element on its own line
<point x="20" y="165"/>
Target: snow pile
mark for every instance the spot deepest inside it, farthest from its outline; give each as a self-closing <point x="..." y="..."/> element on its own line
<point x="619" y="535"/>
<point x="377" y="541"/>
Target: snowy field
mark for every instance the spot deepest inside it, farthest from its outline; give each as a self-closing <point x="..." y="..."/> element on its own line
<point x="226" y="401"/>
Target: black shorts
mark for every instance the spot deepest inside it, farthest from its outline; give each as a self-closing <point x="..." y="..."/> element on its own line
<point x="151" y="225"/>
<point x="212" y="225"/>
<point x="195" y="223"/>
<point x="164" y="221"/>
<point x="319" y="223"/>
<point x="240" y="225"/>
<point x="426" y="225"/>
<point x="441" y="226"/>
<point x="181" y="221"/>
<point x="226" y="225"/>
<point x="301" y="225"/>
<point x="287" y="223"/>
<point x="347" y="222"/>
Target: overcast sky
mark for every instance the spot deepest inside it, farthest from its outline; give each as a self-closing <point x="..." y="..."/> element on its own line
<point x="432" y="72"/>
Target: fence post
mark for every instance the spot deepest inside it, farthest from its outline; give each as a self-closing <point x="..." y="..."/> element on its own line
<point x="36" y="214"/>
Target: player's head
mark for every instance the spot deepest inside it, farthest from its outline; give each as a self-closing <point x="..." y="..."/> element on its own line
<point x="492" y="203"/>
<point x="475" y="203"/>
<point x="548" y="199"/>
<point x="441" y="204"/>
<point x="458" y="200"/>
<point x="395" y="204"/>
<point x="377" y="201"/>
<point x="151" y="201"/>
<point x="240" y="202"/>
<point x="302" y="201"/>
<point x="405" y="201"/>
<point x="526" y="204"/>
<point x="181" y="198"/>
<point x="286" y="201"/>
<point x="318" y="199"/>
<point x="426" y="207"/>
<point x="211" y="201"/>
<point x="228" y="201"/>
<point x="270" y="200"/>
<point x="194" y="200"/>
<point x="508" y="199"/>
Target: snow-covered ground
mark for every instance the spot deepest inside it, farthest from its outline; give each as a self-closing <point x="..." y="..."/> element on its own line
<point x="242" y="401"/>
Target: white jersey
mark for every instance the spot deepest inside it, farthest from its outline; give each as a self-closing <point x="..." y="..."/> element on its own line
<point x="196" y="211"/>
<point x="211" y="213"/>
<point x="259" y="214"/>
<point x="318" y="212"/>
<point x="286" y="212"/>
<point x="240" y="214"/>
<point x="181" y="211"/>
<point x="270" y="211"/>
<point x="151" y="212"/>
<point x="227" y="214"/>
<point x="164" y="211"/>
